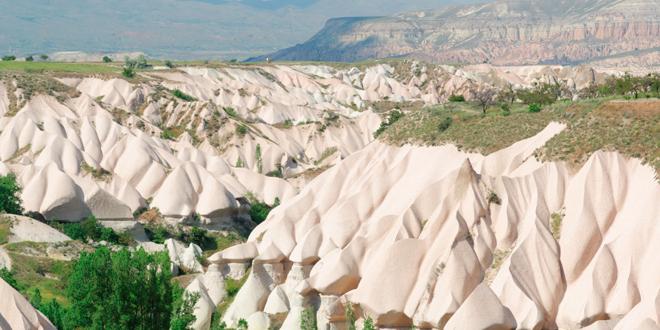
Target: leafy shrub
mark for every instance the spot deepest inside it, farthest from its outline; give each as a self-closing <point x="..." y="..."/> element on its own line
<point x="241" y="130"/>
<point x="308" y="319"/>
<point x="91" y="229"/>
<point x="181" y="95"/>
<point x="506" y="109"/>
<point x="29" y="59"/>
<point x="10" y="201"/>
<point x="394" y="116"/>
<point x="542" y="94"/>
<point x="107" y="59"/>
<point x="168" y="134"/>
<point x="242" y="325"/>
<point x="350" y="317"/>
<point x="8" y="58"/>
<point x="493" y="198"/>
<point x="157" y="234"/>
<point x="259" y="210"/>
<point x="444" y="124"/>
<point x="534" y="108"/>
<point x="230" y="111"/>
<point x="43" y="57"/>
<point x="8" y="277"/>
<point x="169" y="64"/>
<point x="369" y="324"/>
<point x="128" y="73"/>
<point x="456" y="98"/>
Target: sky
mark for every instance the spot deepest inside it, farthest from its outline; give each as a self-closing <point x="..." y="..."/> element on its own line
<point x="179" y="29"/>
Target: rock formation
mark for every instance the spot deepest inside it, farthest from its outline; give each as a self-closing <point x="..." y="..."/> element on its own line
<point x="110" y="151"/>
<point x="16" y="313"/>
<point x="438" y="238"/>
<point x="501" y="32"/>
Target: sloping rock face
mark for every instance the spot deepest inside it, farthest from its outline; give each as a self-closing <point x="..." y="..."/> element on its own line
<point x="437" y="238"/>
<point x="111" y="150"/>
<point x="16" y="313"/>
<point x="501" y="32"/>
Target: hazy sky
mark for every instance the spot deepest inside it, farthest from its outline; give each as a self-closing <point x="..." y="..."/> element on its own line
<point x="178" y="28"/>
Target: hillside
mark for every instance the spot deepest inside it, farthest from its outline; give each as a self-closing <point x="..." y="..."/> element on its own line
<point x="396" y="192"/>
<point x="503" y="32"/>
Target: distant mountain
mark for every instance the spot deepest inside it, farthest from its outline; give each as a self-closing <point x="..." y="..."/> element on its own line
<point x="178" y="29"/>
<point x="500" y="32"/>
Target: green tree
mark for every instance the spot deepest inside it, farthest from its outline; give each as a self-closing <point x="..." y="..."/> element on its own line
<point x="29" y="59"/>
<point x="43" y="57"/>
<point x="10" y="201"/>
<point x="107" y="59"/>
<point x="169" y="64"/>
<point x="123" y="290"/>
<point x="182" y="313"/>
<point x="8" y="58"/>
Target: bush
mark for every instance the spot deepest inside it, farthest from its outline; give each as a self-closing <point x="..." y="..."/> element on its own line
<point x="534" y="108"/>
<point x="128" y="73"/>
<point x="43" y="57"/>
<point x="369" y="324"/>
<point x="506" y="109"/>
<point x="91" y="229"/>
<point x="444" y="124"/>
<point x="308" y="319"/>
<point x="230" y="111"/>
<point x="456" y="98"/>
<point x="241" y="130"/>
<point x="179" y="94"/>
<point x="157" y="234"/>
<point x="394" y="116"/>
<point x="29" y="59"/>
<point x="107" y="59"/>
<point x="169" y="64"/>
<point x="8" y="277"/>
<point x="9" y="58"/>
<point x="242" y="325"/>
<point x="10" y="200"/>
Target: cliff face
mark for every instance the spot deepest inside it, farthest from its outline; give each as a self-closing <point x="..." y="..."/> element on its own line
<point x="502" y="32"/>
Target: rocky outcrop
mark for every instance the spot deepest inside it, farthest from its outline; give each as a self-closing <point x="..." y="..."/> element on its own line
<point x="111" y="150"/>
<point x="16" y="313"/>
<point x="501" y="32"/>
<point x="412" y="236"/>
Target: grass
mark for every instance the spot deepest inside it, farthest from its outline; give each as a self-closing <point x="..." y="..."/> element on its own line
<point x="5" y="229"/>
<point x="97" y="173"/>
<point x="232" y="287"/>
<point x="47" y="275"/>
<point x="37" y="67"/>
<point x="555" y="224"/>
<point x="630" y="127"/>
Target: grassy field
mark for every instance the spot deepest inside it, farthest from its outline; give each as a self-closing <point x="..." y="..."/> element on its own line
<point x="5" y="226"/>
<point x="36" y="67"/>
<point x="630" y="127"/>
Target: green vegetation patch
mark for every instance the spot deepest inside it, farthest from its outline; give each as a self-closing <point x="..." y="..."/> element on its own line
<point x="465" y="127"/>
<point x="629" y="127"/>
<point x="5" y="229"/>
<point x="37" y="67"/>
<point x="47" y="275"/>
